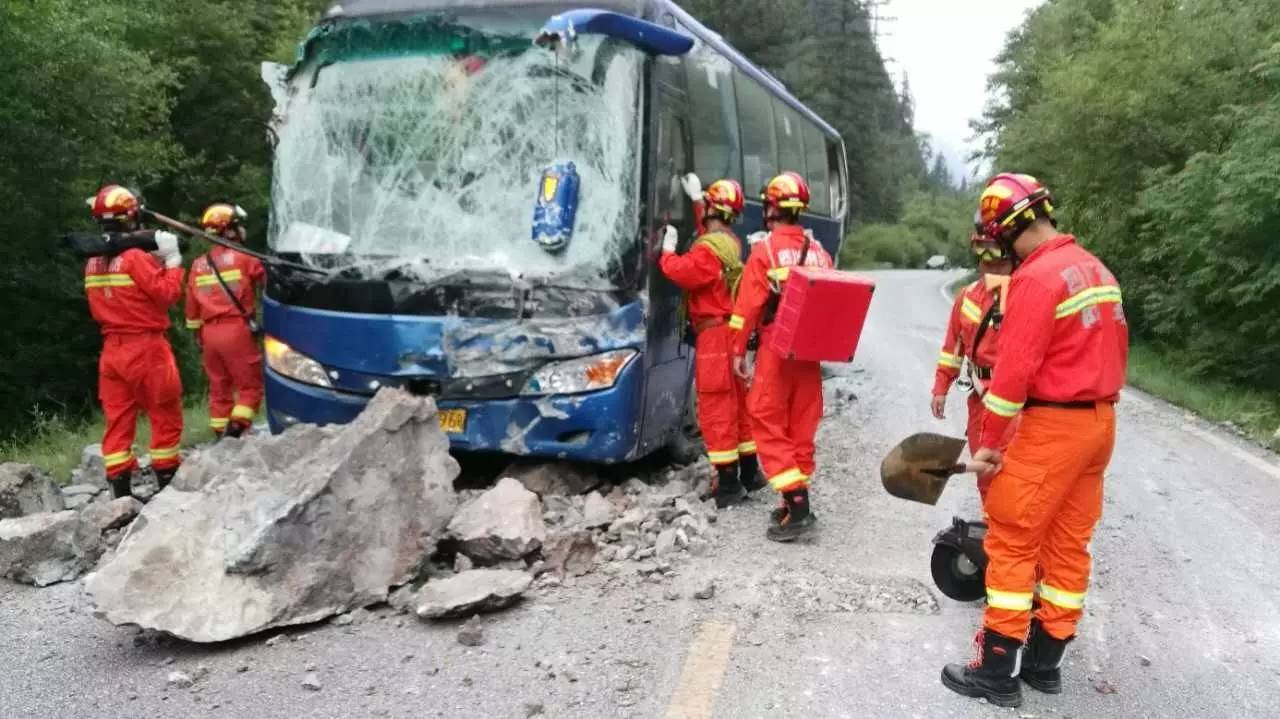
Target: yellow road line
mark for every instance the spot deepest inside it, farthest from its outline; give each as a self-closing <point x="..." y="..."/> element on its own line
<point x="703" y="672"/>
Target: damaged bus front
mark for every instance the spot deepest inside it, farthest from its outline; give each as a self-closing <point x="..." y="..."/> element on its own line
<point x="482" y="184"/>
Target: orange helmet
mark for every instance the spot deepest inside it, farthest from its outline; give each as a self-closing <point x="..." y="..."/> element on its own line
<point x="787" y="191"/>
<point x="221" y="216"/>
<point x="1009" y="204"/>
<point x="724" y="197"/>
<point x="114" y="202"/>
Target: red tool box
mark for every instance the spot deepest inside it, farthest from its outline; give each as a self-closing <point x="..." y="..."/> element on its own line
<point x="820" y="315"/>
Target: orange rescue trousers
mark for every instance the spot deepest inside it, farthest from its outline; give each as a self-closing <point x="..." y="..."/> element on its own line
<point x="233" y="363"/>
<point x="722" y="398"/>
<point x="785" y="405"/>
<point x="137" y="372"/>
<point x="1041" y="509"/>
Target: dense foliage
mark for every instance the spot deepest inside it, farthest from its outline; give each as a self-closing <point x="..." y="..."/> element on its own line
<point x="1157" y="125"/>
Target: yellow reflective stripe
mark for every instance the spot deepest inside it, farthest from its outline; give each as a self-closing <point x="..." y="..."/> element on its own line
<point x="971" y="310"/>
<point x="1061" y="597"/>
<point x="119" y="458"/>
<point x="779" y="273"/>
<point x="211" y="279"/>
<point x="111" y="280"/>
<point x="946" y="359"/>
<point x="736" y="322"/>
<point x="747" y="448"/>
<point x="241" y="411"/>
<point x="787" y="478"/>
<point x="1013" y="601"/>
<point x="1103" y="294"/>
<point x="1001" y="406"/>
<point x="219" y="422"/>
<point x="726" y="457"/>
<point x="164" y="453"/>
<point x="194" y="324"/>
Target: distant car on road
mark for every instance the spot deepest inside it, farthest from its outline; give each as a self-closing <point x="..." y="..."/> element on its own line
<point x="937" y="262"/>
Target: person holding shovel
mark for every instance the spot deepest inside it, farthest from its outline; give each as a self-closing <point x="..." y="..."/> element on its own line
<point x="221" y="294"/>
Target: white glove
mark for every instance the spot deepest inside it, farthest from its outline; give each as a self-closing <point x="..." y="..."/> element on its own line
<point x="167" y="249"/>
<point x="670" y="236"/>
<point x="692" y="187"/>
<point x="755" y="237"/>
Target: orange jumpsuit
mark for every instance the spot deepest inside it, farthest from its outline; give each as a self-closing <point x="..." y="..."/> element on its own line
<point x="130" y="296"/>
<point x="785" y="399"/>
<point x="1064" y="346"/>
<point x="962" y="333"/>
<point x="231" y="356"/>
<point x="722" y="413"/>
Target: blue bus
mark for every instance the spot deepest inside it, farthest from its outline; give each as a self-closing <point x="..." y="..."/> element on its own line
<point x="412" y="142"/>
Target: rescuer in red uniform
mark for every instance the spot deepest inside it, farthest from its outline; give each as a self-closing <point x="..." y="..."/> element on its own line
<point x="130" y="295"/>
<point x="971" y="338"/>
<point x="785" y="399"/>
<point x="709" y="273"/>
<point x="220" y="308"/>
<point x="1063" y="349"/>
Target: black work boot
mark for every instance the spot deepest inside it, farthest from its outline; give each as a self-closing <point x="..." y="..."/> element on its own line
<point x="728" y="490"/>
<point x="122" y="485"/>
<point x="993" y="675"/>
<point x="749" y="473"/>
<point x="164" y="477"/>
<point x="1042" y="662"/>
<point x="798" y="520"/>
<point x="236" y="429"/>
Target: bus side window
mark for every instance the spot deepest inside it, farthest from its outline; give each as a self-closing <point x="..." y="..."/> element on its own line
<point x="789" y="125"/>
<point x="817" y="172"/>
<point x="759" y="143"/>
<point x="839" y="180"/>
<point x="716" y="147"/>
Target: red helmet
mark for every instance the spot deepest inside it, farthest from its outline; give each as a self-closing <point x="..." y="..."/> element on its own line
<point x="221" y="216"/>
<point x="114" y="202"/>
<point x="787" y="191"/>
<point x="1009" y="204"/>
<point x="724" y="197"/>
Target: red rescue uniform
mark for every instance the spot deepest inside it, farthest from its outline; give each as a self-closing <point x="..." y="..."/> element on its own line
<point x="1063" y="350"/>
<point x="785" y="399"/>
<point x="130" y="296"/>
<point x="722" y="414"/>
<point x="961" y="343"/>
<point x="232" y="359"/>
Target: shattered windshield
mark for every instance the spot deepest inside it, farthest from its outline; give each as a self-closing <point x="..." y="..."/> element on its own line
<point x="418" y="147"/>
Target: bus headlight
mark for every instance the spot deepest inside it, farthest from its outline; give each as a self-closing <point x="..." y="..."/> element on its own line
<point x="293" y="364"/>
<point x="584" y="374"/>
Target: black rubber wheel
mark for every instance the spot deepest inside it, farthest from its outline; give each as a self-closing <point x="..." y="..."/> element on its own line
<point x="957" y="576"/>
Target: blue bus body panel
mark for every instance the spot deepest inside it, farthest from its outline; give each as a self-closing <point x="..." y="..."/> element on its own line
<point x="653" y="39"/>
<point x="364" y="352"/>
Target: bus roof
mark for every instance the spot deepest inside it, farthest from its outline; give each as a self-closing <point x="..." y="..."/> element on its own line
<point x="653" y="10"/>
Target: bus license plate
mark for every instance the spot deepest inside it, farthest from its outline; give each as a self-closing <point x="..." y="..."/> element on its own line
<point x="453" y="421"/>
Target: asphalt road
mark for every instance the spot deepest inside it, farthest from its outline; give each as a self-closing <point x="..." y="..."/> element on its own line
<point x="1182" y="619"/>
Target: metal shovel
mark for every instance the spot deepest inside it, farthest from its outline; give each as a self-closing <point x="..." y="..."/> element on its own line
<point x="918" y="468"/>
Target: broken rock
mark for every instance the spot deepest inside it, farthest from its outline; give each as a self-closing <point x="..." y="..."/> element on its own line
<point x="112" y="515"/>
<point x="27" y="489"/>
<point x="598" y="511"/>
<point x="287" y="529"/>
<point x="571" y="553"/>
<point x="43" y="549"/>
<point x="503" y="523"/>
<point x="552" y="478"/>
<point x="472" y="633"/>
<point x="468" y="593"/>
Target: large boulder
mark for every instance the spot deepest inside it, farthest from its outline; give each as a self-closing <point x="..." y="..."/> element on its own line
<point x="503" y="523"/>
<point x="27" y="489"/>
<point x="471" y="592"/>
<point x="285" y="530"/>
<point x="43" y="549"/>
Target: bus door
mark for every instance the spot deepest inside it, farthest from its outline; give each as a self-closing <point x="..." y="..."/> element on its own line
<point x="670" y="158"/>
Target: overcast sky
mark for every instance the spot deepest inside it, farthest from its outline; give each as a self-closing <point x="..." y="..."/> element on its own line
<point x="946" y="47"/>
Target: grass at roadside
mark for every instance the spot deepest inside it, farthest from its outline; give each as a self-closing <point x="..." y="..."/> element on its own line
<point x="1256" y="413"/>
<point x="56" y="444"/>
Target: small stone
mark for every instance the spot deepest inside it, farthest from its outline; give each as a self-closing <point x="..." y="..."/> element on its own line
<point x="1102" y="686"/>
<point x="598" y="511"/>
<point x="463" y="563"/>
<point x="645" y="553"/>
<point x="706" y="591"/>
<point x="1144" y="661"/>
<point x="569" y="676"/>
<point x="471" y="634"/>
<point x="181" y="680"/>
<point x="682" y="538"/>
<point x="166" y="661"/>
<point x="311" y="682"/>
<point x="242" y="669"/>
<point x="666" y="543"/>
<point x="533" y="709"/>
<point x="607" y="554"/>
<point x="274" y="640"/>
<point x="309" y="667"/>
<point x="671" y="594"/>
<point x="343" y="620"/>
<point x="626" y="552"/>
<point x="699" y="547"/>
